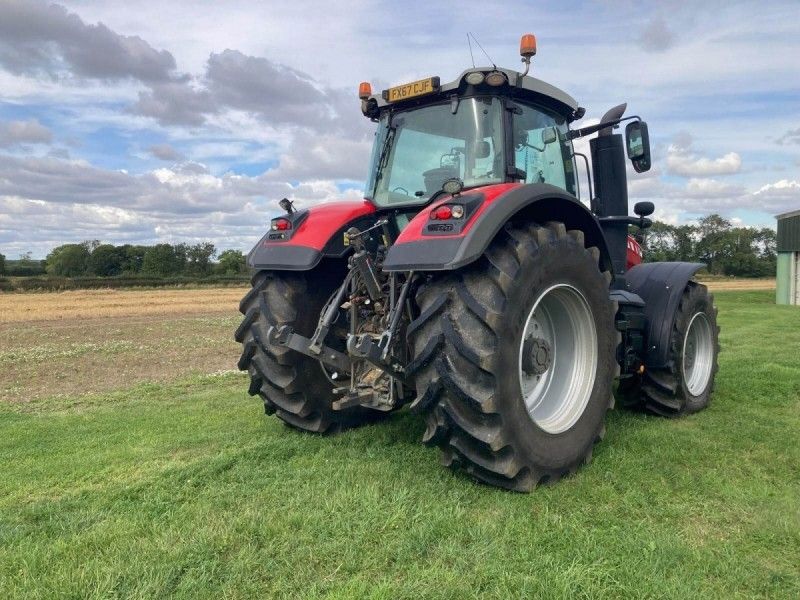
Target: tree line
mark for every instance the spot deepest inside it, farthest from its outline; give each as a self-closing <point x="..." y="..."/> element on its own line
<point x="727" y="250"/>
<point x="91" y="258"/>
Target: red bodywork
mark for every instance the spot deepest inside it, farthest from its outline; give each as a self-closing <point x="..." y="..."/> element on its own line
<point x="326" y="219"/>
<point x="413" y="231"/>
<point x="634" y="253"/>
<point x="323" y="221"/>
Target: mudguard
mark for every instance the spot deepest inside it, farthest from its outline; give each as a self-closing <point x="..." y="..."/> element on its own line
<point x="318" y="232"/>
<point x="424" y="246"/>
<point x="660" y="285"/>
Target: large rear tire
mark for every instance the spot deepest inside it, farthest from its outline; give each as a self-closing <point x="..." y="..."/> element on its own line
<point x="293" y="386"/>
<point x="514" y="357"/>
<point x="685" y="385"/>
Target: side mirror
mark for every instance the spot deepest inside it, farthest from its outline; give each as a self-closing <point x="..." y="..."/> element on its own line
<point x="643" y="209"/>
<point x="637" y="143"/>
<point x="549" y="135"/>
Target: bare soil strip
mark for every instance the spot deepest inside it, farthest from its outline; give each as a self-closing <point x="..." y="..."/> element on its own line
<point x="87" y="304"/>
<point x="55" y="345"/>
<point x="719" y="285"/>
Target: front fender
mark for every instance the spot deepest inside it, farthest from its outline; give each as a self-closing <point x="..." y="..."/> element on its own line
<point x="319" y="234"/>
<point x="418" y="249"/>
<point x="660" y="285"/>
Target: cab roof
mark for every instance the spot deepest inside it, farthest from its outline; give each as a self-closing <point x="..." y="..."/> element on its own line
<point x="517" y="86"/>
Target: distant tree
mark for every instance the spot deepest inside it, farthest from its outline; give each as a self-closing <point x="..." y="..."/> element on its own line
<point x="2" y="264"/>
<point x="670" y="243"/>
<point x="133" y="258"/>
<point x="715" y="242"/>
<point x="164" y="260"/>
<point x="106" y="260"/>
<point x="91" y="244"/>
<point x="685" y="241"/>
<point x="231" y="262"/>
<point x="181" y="253"/>
<point x="68" y="260"/>
<point x="660" y="242"/>
<point x="25" y="266"/>
<point x="766" y="241"/>
<point x="199" y="259"/>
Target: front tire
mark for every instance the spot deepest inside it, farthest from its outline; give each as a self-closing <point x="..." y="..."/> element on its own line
<point x="475" y="365"/>
<point x="685" y="385"/>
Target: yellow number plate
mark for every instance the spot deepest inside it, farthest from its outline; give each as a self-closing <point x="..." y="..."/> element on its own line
<point x="412" y="90"/>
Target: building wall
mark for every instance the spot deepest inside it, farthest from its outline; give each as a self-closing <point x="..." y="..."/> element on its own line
<point x="789" y="233"/>
<point x="786" y="277"/>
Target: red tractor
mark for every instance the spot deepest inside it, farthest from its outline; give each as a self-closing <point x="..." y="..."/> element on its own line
<point x="473" y="285"/>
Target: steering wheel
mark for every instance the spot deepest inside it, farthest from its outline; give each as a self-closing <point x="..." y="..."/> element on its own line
<point x="399" y="187"/>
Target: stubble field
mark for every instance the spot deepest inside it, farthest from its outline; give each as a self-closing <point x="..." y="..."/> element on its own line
<point x="135" y="465"/>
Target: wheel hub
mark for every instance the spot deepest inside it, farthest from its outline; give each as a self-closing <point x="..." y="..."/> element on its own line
<point x="690" y="353"/>
<point x="698" y="354"/>
<point x="558" y="358"/>
<point x="537" y="355"/>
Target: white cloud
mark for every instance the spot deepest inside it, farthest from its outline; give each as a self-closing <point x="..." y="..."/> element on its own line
<point x="326" y="156"/>
<point x="164" y="152"/>
<point x="711" y="188"/>
<point x="16" y="133"/>
<point x="782" y="187"/>
<point x="680" y="162"/>
<point x="779" y="197"/>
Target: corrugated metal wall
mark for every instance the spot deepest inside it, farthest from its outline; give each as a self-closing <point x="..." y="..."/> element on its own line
<point x="783" y="283"/>
<point x="789" y="234"/>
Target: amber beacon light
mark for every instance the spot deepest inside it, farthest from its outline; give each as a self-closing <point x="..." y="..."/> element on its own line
<point x="527" y="46"/>
<point x="527" y="50"/>
<point x="364" y="90"/>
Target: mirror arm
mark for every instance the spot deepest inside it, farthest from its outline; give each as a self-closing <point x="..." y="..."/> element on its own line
<point x="584" y="131"/>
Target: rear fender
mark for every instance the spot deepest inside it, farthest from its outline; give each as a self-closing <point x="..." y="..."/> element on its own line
<point x="660" y="285"/>
<point x="318" y="233"/>
<point x="422" y="246"/>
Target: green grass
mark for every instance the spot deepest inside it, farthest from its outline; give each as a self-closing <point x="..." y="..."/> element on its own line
<point x="187" y="490"/>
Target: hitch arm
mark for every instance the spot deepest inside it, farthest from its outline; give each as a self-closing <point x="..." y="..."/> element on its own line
<point x="385" y="341"/>
<point x="285" y="336"/>
<point x="315" y="344"/>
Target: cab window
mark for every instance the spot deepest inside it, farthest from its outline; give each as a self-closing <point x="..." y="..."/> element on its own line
<point x="541" y="148"/>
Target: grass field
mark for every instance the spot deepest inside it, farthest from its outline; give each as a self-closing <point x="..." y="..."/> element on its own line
<point x="135" y="465"/>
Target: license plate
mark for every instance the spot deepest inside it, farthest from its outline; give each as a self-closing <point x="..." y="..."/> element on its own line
<point x="412" y="90"/>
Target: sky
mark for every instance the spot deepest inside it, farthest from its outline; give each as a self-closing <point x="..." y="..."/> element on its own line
<point x="177" y="121"/>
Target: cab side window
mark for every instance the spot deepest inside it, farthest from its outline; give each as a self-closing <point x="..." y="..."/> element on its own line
<point x="541" y="148"/>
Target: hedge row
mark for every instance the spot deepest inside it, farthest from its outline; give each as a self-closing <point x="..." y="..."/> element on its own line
<point x="58" y="284"/>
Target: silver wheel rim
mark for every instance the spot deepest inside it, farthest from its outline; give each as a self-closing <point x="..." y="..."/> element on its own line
<point x="558" y="358"/>
<point x="698" y="354"/>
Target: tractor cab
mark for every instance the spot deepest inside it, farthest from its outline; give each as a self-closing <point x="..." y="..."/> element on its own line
<point x="488" y="126"/>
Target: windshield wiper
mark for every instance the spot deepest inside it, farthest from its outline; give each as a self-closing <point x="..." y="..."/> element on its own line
<point x="383" y="159"/>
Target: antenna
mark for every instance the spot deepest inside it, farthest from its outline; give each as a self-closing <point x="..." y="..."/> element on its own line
<point x="482" y="50"/>
<point x="470" y="51"/>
